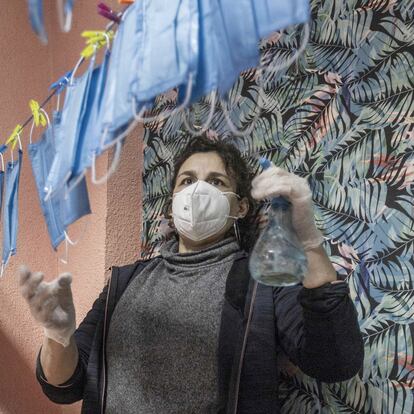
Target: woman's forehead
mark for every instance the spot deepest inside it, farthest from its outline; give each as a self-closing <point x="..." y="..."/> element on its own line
<point x="204" y="162"/>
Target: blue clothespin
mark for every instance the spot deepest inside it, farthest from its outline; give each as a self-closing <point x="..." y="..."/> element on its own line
<point x="61" y="83"/>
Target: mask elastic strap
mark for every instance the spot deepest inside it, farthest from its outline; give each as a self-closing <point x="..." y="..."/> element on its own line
<point x="79" y="62"/>
<point x="68" y="241"/>
<point x="20" y="146"/>
<point x="65" y="14"/>
<point x="272" y="69"/>
<point x="111" y="169"/>
<point x="33" y="124"/>
<point x="160" y="117"/>
<point x="3" y="265"/>
<point x="248" y="130"/>
<point x="78" y="179"/>
<point x="261" y="82"/>
<point x="206" y="125"/>
<point x="237" y="231"/>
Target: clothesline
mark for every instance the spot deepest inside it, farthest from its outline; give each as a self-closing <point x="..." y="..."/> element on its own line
<point x="57" y="88"/>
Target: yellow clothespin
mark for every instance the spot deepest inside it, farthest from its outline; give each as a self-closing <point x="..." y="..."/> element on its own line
<point x="38" y="116"/>
<point x="95" y="39"/>
<point x="13" y="138"/>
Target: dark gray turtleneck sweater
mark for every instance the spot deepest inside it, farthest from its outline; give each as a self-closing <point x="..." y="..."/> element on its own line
<point x="162" y="338"/>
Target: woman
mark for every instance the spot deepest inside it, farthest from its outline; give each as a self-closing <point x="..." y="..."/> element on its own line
<point x="191" y="332"/>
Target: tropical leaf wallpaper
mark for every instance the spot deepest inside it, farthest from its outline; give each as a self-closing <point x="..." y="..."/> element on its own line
<point x="343" y="117"/>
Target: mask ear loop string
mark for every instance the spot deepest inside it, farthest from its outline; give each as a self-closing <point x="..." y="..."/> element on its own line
<point x="111" y="169"/>
<point x="65" y="16"/>
<point x="261" y="83"/>
<point x="4" y="263"/>
<point x="113" y="166"/>
<point x="237" y="230"/>
<point x="33" y="124"/>
<point x="203" y="128"/>
<point x="2" y="161"/>
<point x="58" y="95"/>
<point x="68" y="241"/>
<point x="166" y="114"/>
<point x="271" y="69"/>
<point x="248" y="130"/>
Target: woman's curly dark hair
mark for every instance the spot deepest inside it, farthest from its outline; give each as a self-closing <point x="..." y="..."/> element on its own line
<point x="237" y="168"/>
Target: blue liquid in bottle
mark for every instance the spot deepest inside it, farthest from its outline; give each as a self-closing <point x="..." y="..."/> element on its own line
<point x="278" y="258"/>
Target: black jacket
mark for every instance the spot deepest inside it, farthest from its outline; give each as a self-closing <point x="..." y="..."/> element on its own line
<point x="317" y="329"/>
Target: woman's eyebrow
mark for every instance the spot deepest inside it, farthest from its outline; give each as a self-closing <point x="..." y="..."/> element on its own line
<point x="217" y="174"/>
<point x="189" y="172"/>
<point x="211" y="174"/>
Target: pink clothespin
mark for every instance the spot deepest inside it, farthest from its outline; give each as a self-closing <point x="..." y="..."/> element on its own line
<point x="107" y="12"/>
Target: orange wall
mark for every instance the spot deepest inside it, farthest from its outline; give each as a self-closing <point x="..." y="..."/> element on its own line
<point x="112" y="235"/>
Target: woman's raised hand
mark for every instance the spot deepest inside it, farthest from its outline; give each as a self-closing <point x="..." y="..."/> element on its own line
<point x="276" y="181"/>
<point x="50" y="303"/>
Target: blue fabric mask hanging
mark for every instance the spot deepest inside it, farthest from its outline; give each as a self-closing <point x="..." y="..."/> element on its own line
<point x="90" y="133"/>
<point x="36" y="18"/>
<point x="72" y="116"/>
<point x="238" y="43"/>
<point x="59" y="211"/>
<point x="169" y="52"/>
<point x="11" y="209"/>
<point x="76" y="201"/>
<point x="123" y="68"/>
<point x="41" y="155"/>
<point x="2" y="149"/>
<point x="228" y="43"/>
<point x="272" y="15"/>
<point x="207" y="70"/>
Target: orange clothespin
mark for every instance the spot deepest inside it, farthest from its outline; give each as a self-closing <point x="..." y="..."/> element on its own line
<point x="125" y="1"/>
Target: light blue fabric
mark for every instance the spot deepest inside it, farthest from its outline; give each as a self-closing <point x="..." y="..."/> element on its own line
<point x="2" y="173"/>
<point x="90" y="133"/>
<point x="169" y="51"/>
<point x="207" y="69"/>
<point x="238" y="47"/>
<point x="11" y="208"/>
<point x="73" y="112"/>
<point x="123" y="69"/>
<point x="36" y="18"/>
<point x="228" y="45"/>
<point x="41" y="155"/>
<point x="58" y="211"/>
<point x="1" y="188"/>
<point x="75" y="202"/>
<point x="272" y="15"/>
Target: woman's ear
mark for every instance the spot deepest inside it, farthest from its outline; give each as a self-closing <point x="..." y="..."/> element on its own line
<point x="243" y="207"/>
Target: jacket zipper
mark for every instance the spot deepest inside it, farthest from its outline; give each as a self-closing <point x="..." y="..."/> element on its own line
<point x="246" y="333"/>
<point x="103" y="348"/>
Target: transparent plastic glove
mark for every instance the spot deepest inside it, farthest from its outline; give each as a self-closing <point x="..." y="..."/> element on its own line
<point x="276" y="181"/>
<point x="50" y="303"/>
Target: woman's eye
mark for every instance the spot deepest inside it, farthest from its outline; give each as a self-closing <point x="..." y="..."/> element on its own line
<point x="186" y="181"/>
<point x="216" y="181"/>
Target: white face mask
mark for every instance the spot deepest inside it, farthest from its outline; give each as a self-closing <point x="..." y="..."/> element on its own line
<point x="200" y="210"/>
